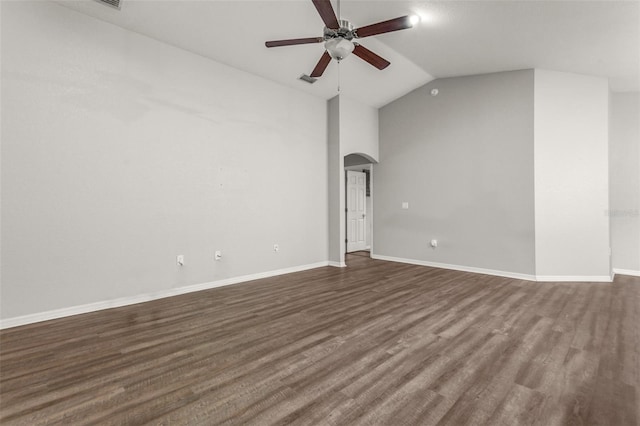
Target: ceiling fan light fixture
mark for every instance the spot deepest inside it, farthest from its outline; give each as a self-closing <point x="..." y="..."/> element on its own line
<point x="339" y="48"/>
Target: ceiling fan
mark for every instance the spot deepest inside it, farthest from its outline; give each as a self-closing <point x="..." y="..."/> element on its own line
<point x="338" y="37"/>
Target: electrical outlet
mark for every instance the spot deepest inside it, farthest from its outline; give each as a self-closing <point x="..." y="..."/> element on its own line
<point x="180" y="259"/>
<point x="218" y="255"/>
<point x="276" y="248"/>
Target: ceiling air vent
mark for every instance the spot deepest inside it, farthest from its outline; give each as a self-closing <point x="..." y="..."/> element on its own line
<point x="111" y="3"/>
<point x="308" y="79"/>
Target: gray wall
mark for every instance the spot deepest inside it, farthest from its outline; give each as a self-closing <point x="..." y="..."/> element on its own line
<point x="571" y="176"/>
<point x="335" y="170"/>
<point x="463" y="160"/>
<point x="358" y="129"/>
<point x="624" y="175"/>
<point x="120" y="152"/>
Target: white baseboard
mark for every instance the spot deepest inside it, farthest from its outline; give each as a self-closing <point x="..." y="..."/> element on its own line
<point x="124" y="301"/>
<point x="575" y="278"/>
<point x="516" y="275"/>
<point x="337" y="264"/>
<point x="626" y="272"/>
<point x="506" y="274"/>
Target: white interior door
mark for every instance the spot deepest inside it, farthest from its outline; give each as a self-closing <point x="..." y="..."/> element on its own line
<point x="356" y="211"/>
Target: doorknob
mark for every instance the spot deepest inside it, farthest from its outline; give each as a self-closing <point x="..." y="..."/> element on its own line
<point x="363" y="215"/>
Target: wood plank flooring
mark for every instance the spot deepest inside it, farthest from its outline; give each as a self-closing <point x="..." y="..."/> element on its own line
<point x="377" y="343"/>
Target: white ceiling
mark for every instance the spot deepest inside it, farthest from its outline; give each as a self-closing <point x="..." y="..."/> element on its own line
<point x="454" y="38"/>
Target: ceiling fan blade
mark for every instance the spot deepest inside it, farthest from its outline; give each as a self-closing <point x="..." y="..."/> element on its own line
<point x="401" y="23"/>
<point x="326" y="13"/>
<point x="321" y="65"/>
<point x="370" y="57"/>
<point x="293" y="41"/>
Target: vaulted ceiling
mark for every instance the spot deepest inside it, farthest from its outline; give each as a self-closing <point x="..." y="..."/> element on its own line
<point x="454" y="38"/>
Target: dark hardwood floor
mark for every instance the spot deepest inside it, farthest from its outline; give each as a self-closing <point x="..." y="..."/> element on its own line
<point x="377" y="343"/>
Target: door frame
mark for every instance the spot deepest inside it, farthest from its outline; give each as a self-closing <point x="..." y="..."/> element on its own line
<point x="369" y="218"/>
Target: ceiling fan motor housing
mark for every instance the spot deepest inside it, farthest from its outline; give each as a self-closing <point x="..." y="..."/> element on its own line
<point x="345" y="31"/>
